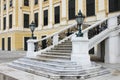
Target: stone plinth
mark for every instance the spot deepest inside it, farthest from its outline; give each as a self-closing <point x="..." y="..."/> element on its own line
<point x="80" y="51"/>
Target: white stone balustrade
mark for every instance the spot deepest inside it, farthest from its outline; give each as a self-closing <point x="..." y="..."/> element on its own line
<point x="55" y="39"/>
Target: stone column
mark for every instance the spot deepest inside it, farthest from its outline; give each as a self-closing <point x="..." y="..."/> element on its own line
<point x="50" y="19"/>
<point x="112" y="45"/>
<point x="1" y="77"/>
<point x="64" y="12"/>
<point x="40" y="15"/>
<point x="112" y="51"/>
<point x="80" y="51"/>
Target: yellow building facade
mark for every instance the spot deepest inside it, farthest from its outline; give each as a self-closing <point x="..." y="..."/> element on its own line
<point x="49" y="16"/>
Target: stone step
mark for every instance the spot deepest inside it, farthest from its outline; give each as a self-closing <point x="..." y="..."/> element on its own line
<point x="56" y="53"/>
<point x="62" y="45"/>
<point x="62" y="48"/>
<point x="33" y="71"/>
<point x="67" y="43"/>
<point x="62" y="51"/>
<point x="62" y="76"/>
<point x="46" y="69"/>
<point x="30" y="67"/>
<point x="55" y="56"/>
<point x="57" y="65"/>
<point x="50" y="59"/>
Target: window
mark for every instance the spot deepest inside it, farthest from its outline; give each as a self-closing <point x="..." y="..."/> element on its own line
<point x="10" y="3"/>
<point x="114" y="5"/>
<point x="90" y="7"/>
<point x="10" y="21"/>
<point x="45" y="17"/>
<point x="4" y="23"/>
<point x="71" y="6"/>
<point x="26" y="20"/>
<point x="36" y="19"/>
<point x="57" y="14"/>
<point x="9" y="43"/>
<point x="36" y="2"/>
<point x="26" y="2"/>
<point x="4" y="6"/>
<point x="45" y="0"/>
<point x="3" y="43"/>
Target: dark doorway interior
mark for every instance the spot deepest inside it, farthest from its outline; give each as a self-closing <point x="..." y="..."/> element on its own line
<point x="44" y="44"/>
<point x="3" y="44"/>
<point x="25" y="43"/>
<point x="102" y="50"/>
<point x="9" y="43"/>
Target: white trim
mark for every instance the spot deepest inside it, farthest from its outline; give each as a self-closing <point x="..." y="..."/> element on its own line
<point x="46" y="8"/>
<point x="25" y="12"/>
<point x="55" y="5"/>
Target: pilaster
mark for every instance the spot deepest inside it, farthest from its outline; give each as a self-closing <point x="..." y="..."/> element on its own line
<point x="20" y="15"/>
<point x="40" y="15"/>
<point x="80" y="5"/>
<point x="1" y="2"/>
<point x="7" y="14"/>
<point x="14" y="14"/>
<point x="64" y="13"/>
<point x="50" y="24"/>
<point x="31" y="10"/>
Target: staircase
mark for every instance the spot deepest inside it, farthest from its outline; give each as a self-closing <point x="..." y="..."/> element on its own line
<point x="54" y="62"/>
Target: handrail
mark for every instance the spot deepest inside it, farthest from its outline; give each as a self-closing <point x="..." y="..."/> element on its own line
<point x="94" y="25"/>
<point x="56" y="32"/>
<point x="97" y="23"/>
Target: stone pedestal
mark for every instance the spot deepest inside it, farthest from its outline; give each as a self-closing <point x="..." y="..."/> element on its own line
<point x="30" y="48"/>
<point x="80" y="51"/>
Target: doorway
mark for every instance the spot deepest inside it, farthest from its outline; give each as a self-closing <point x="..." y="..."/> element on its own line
<point x="9" y="43"/>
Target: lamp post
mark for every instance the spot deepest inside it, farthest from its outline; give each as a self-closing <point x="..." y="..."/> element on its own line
<point x="79" y="18"/>
<point x="32" y="28"/>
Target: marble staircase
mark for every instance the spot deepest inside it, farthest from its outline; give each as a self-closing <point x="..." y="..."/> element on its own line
<point x="56" y="63"/>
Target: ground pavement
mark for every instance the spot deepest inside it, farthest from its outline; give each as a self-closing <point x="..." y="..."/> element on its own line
<point x="6" y="57"/>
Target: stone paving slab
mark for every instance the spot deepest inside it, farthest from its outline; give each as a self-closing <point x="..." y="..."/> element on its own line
<point x="18" y="75"/>
<point x="8" y="56"/>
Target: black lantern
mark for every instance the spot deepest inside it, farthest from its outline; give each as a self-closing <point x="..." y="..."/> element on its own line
<point x="80" y="18"/>
<point x="32" y="28"/>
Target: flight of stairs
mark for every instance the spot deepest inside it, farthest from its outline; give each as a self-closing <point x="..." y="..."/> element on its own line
<point x="56" y="64"/>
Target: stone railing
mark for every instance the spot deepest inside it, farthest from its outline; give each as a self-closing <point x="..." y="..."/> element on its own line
<point x="104" y="27"/>
<point x="69" y="31"/>
<point x="51" y="40"/>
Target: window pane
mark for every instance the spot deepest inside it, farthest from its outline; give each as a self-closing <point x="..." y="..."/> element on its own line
<point x="114" y="5"/>
<point x="26" y="20"/>
<point x="36" y="19"/>
<point x="45" y="17"/>
<point x="36" y="2"/>
<point x="26" y="2"/>
<point x="4" y="23"/>
<point x="57" y="14"/>
<point x="71" y="9"/>
<point x="10" y="21"/>
<point x="90" y="7"/>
